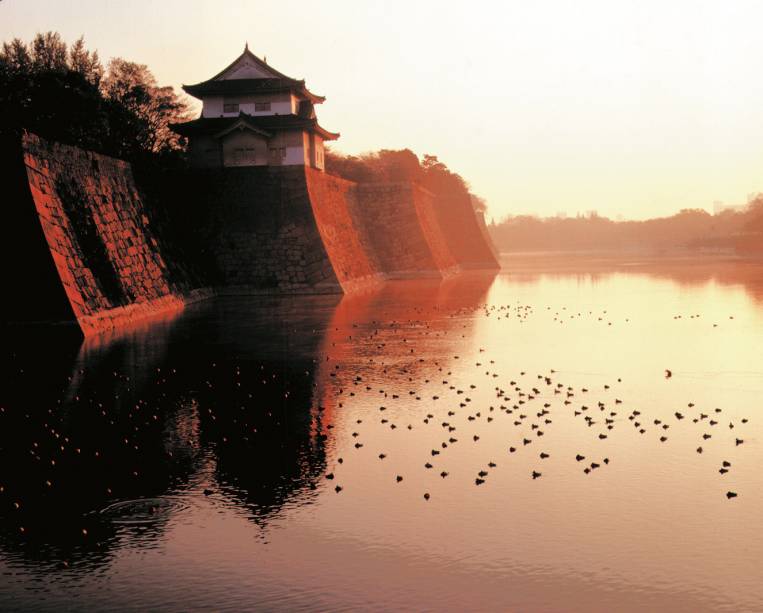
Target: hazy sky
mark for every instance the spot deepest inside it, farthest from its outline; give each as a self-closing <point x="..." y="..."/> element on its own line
<point x="630" y="108"/>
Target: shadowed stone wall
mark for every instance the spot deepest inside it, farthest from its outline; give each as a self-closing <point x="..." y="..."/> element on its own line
<point x="32" y="287"/>
<point x="276" y="230"/>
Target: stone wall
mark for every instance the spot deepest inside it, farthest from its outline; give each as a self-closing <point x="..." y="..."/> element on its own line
<point x="425" y="203"/>
<point x="269" y="230"/>
<point x="470" y="246"/>
<point x="99" y="236"/>
<point x="397" y="223"/>
<point x="331" y="200"/>
<point x="31" y="284"/>
<point x="102" y="252"/>
<point x="486" y="235"/>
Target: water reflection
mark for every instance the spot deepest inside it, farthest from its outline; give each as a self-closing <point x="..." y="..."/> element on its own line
<point x="369" y="341"/>
<point x="689" y="271"/>
<point x="241" y="410"/>
<point x="101" y="441"/>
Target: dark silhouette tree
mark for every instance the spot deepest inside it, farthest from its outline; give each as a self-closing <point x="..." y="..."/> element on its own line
<point x="49" y="53"/>
<point x="15" y="59"/>
<point x="64" y="94"/>
<point x="85" y="63"/>
<point x="146" y="109"/>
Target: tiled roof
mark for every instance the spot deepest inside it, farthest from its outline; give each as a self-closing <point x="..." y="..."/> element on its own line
<point x="234" y="87"/>
<point x="262" y="123"/>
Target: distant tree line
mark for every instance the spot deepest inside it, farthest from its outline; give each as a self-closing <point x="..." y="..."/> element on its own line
<point x="389" y="165"/>
<point x="64" y="93"/>
<point x="690" y="229"/>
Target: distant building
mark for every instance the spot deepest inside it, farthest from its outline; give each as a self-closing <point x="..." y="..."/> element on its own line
<point x="253" y="115"/>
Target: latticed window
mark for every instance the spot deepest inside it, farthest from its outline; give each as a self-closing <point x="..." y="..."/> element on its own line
<point x="230" y="107"/>
<point x="244" y="155"/>
<point x="262" y="106"/>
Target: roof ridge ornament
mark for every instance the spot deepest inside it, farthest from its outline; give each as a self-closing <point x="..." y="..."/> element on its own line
<point x="246" y="46"/>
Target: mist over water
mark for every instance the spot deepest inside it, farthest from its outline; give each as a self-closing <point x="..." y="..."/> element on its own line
<point x="183" y="465"/>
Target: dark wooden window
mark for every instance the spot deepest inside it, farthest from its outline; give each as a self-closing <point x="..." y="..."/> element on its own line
<point x="244" y="156"/>
<point x="230" y="107"/>
<point x="262" y="106"/>
<point x="277" y="153"/>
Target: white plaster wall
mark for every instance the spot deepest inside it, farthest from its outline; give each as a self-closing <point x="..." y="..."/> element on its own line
<point x="244" y="139"/>
<point x="280" y="104"/>
<point x="296" y="144"/>
<point x="277" y="107"/>
<point x="306" y="148"/>
<point x="291" y="138"/>
<point x="293" y="142"/>
<point x="319" y="153"/>
<point x="213" y="107"/>
<point x="295" y="156"/>
<point x="314" y="154"/>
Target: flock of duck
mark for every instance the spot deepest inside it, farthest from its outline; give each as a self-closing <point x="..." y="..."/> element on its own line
<point x="521" y="409"/>
<point x="525" y="409"/>
<point x="530" y="410"/>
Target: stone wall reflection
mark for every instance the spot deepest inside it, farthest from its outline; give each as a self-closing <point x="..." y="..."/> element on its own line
<point x="141" y="416"/>
<point x="102" y="444"/>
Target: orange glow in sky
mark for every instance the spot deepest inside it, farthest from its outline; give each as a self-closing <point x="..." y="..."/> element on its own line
<point x="629" y="108"/>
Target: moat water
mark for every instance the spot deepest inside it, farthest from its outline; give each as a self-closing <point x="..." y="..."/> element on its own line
<point x="378" y="452"/>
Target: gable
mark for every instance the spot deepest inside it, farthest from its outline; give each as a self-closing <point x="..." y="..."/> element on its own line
<point x="242" y="138"/>
<point x="243" y="127"/>
<point x="247" y="67"/>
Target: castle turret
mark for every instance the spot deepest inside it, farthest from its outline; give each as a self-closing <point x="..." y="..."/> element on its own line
<point x="253" y="115"/>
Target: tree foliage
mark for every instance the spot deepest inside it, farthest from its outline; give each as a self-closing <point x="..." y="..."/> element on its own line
<point x="63" y="93"/>
<point x="690" y="229"/>
<point x="145" y="107"/>
<point x="389" y="165"/>
<point x="86" y="63"/>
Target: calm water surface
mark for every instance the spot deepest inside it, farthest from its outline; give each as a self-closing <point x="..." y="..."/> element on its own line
<point x="185" y="465"/>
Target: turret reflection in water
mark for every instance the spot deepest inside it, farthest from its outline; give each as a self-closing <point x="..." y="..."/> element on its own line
<point x="104" y="444"/>
<point x="99" y="447"/>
